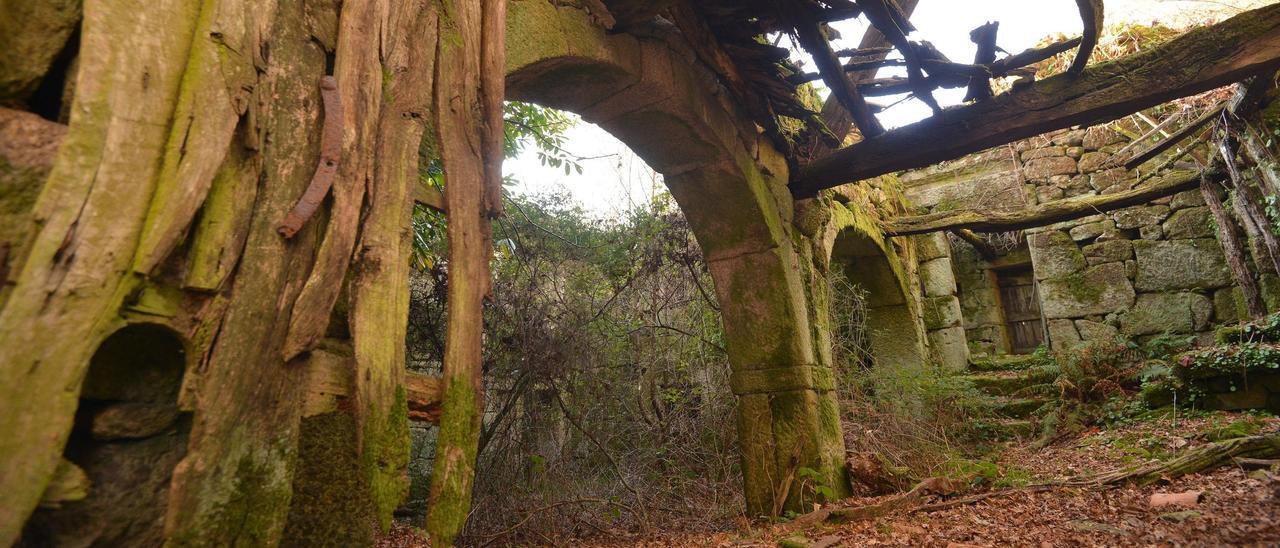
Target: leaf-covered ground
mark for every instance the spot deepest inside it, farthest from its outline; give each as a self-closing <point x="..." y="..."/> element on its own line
<point x="1239" y="507"/>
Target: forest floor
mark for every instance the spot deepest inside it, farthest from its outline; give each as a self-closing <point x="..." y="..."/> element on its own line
<point x="1238" y="507"/>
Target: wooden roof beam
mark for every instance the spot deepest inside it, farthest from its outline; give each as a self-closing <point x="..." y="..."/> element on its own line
<point x="1197" y="61"/>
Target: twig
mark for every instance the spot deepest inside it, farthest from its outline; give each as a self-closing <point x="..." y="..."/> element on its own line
<point x="536" y="511"/>
<point x="643" y="513"/>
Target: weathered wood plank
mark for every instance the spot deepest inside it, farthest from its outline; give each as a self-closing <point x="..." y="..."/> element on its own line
<point x="1043" y="214"/>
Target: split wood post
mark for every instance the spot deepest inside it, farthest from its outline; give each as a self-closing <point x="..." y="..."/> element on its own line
<point x="1232" y="247"/>
<point x="1247" y="200"/>
<point x="468" y="132"/>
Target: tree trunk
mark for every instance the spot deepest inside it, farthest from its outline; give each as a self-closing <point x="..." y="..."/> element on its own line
<point x="468" y="101"/>
<point x="196" y="127"/>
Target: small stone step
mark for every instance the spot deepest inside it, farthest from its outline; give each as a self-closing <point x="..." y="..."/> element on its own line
<point x="1008" y="362"/>
<point x="1006" y="383"/>
<point x="1020" y="408"/>
<point x="1007" y="429"/>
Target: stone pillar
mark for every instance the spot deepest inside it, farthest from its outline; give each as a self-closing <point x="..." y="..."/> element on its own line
<point x="788" y="415"/>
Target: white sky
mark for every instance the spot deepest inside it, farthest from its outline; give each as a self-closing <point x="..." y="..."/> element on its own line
<point x="616" y="179"/>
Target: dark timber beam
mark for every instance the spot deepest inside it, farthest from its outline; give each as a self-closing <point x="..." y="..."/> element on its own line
<point x="1044" y="214"/>
<point x="1197" y="61"/>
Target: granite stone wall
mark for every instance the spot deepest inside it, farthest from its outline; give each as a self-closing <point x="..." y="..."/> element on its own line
<point x="1137" y="272"/>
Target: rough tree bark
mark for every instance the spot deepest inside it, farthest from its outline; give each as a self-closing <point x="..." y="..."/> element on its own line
<point x="1249" y="202"/>
<point x="195" y="128"/>
<point x="468" y="100"/>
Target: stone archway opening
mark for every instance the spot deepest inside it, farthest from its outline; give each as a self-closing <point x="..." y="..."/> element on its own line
<point x="891" y="325"/>
<point x="649" y="91"/>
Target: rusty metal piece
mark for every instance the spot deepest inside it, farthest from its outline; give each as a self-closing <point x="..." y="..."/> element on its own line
<point x="330" y="154"/>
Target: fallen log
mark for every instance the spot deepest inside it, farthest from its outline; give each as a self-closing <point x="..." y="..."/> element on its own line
<point x="1197" y="460"/>
<point x="1044" y="214"/>
<point x="1198" y="61"/>
<point x="1202" y="459"/>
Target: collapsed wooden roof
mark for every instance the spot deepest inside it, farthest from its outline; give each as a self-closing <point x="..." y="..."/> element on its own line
<point x="729" y="37"/>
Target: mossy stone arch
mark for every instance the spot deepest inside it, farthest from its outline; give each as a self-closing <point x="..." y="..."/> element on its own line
<point x="895" y="331"/>
<point x="653" y="94"/>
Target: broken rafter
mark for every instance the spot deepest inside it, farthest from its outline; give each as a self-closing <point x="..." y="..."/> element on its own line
<point x="1197" y="61"/>
<point x="979" y="244"/>
<point x="1091" y="12"/>
<point x="889" y="19"/>
<point x="873" y="45"/>
<point x="1002" y="67"/>
<point x="985" y="38"/>
<point x="809" y="31"/>
<point x="1043" y="214"/>
<point x="1177" y="137"/>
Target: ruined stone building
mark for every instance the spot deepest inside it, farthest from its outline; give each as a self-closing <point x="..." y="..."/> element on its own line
<point x="205" y="218"/>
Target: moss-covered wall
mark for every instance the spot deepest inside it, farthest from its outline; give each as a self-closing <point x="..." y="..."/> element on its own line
<point x="1137" y="272"/>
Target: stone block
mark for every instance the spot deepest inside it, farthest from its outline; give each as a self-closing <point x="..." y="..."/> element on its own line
<point x="1135" y="217"/>
<point x="1096" y="331"/>
<point x="937" y="278"/>
<point x="1228" y="305"/>
<point x="949" y="348"/>
<point x="1098" y="290"/>
<point x="1151" y="232"/>
<point x="1043" y="152"/>
<point x="1075" y="152"/>
<point x="1077" y="186"/>
<point x="1062" y="334"/>
<point x="1043" y="168"/>
<point x="1180" y="264"/>
<point x="133" y="420"/>
<point x="941" y="312"/>
<point x="1108" y="251"/>
<point x="1270" y="286"/>
<point x="1055" y="254"/>
<point x="1100" y="136"/>
<point x="1188" y="198"/>
<point x="932" y="246"/>
<point x="1109" y="181"/>
<point x="1093" y="161"/>
<point x="1156" y="313"/>
<point x="1192" y="222"/>
<point x="1071" y="138"/>
<point x="1090" y="231"/>
<point x="1048" y="194"/>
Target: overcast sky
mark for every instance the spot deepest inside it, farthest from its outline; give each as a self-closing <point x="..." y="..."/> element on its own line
<point x="616" y="179"/>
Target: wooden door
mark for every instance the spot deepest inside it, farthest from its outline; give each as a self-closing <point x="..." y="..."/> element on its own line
<point x="1021" y="310"/>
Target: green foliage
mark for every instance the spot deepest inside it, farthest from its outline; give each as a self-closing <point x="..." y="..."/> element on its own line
<point x="1265" y="330"/>
<point x="1229" y="360"/>
<point x="606" y="378"/>
<point x="526" y="125"/>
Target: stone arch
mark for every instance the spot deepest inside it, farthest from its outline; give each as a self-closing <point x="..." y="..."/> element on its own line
<point x="126" y="439"/>
<point x="653" y="94"/>
<point x="894" y="328"/>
